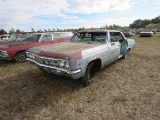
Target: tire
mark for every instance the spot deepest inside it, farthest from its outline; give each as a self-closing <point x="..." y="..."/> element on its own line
<point x="21" y="57"/>
<point x="88" y="77"/>
<point x="126" y="54"/>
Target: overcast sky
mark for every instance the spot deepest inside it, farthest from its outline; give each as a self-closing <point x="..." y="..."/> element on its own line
<point x="63" y="14"/>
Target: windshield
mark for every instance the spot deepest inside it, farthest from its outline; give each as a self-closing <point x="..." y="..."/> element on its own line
<point x="67" y="35"/>
<point x="33" y="37"/>
<point x="21" y="38"/>
<point x="89" y="38"/>
<point x="12" y="38"/>
<point x="148" y="30"/>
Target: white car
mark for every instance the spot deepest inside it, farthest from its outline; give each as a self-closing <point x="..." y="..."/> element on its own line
<point x="146" y="33"/>
<point x="4" y="37"/>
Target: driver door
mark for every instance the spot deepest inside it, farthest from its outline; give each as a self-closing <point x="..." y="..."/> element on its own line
<point x="114" y="46"/>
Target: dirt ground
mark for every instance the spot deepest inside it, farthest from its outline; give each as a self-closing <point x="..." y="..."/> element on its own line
<point x="128" y="89"/>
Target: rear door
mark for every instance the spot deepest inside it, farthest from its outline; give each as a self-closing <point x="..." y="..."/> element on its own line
<point x="46" y="39"/>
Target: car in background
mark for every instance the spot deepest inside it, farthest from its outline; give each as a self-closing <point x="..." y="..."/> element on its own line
<point x="14" y="38"/>
<point x="128" y="33"/>
<point x="16" y="50"/>
<point x="4" y="37"/>
<point x="146" y="33"/>
<point x="66" y="34"/>
<point x="157" y="29"/>
<point x="154" y="31"/>
<point x="139" y="30"/>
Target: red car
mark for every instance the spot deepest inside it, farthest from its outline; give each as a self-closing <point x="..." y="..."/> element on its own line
<point x="16" y="50"/>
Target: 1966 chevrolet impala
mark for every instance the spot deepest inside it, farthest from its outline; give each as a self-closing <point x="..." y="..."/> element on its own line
<point x="87" y="52"/>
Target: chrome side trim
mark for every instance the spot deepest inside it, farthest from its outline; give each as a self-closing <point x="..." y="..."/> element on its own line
<point x="52" y="67"/>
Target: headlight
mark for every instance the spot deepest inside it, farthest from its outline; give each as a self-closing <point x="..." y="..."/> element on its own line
<point x="63" y="64"/>
<point x="30" y="55"/>
<point x="66" y="65"/>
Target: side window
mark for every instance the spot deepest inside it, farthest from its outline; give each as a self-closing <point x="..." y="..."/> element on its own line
<point x="116" y="36"/>
<point x="56" y="36"/>
<point x="67" y="35"/>
<point x="46" y="37"/>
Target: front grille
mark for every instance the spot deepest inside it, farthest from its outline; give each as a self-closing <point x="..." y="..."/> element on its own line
<point x="38" y="59"/>
<point x="43" y="60"/>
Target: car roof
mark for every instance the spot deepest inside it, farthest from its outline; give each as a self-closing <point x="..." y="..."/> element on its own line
<point x="52" y="32"/>
<point x="99" y="31"/>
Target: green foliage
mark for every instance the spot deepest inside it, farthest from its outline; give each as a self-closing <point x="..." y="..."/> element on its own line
<point x="18" y="31"/>
<point x="142" y="23"/>
<point x="2" y="31"/>
<point x="12" y="31"/>
<point x="156" y="20"/>
<point x="112" y="27"/>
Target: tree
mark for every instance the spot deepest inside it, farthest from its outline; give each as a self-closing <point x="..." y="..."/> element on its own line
<point x="45" y="30"/>
<point x="18" y="31"/>
<point x="155" y="20"/>
<point x="12" y="31"/>
<point x="2" y="31"/>
<point x="32" y="29"/>
<point x="143" y="23"/>
<point x="57" y="29"/>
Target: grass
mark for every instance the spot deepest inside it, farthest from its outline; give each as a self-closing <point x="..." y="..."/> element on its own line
<point x="127" y="89"/>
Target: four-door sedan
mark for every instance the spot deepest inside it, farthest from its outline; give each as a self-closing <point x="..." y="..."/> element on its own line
<point x="87" y="52"/>
<point x="16" y="50"/>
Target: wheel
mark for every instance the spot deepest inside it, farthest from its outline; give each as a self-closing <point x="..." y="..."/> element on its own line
<point x="126" y="54"/>
<point x="21" y="57"/>
<point x="88" y="77"/>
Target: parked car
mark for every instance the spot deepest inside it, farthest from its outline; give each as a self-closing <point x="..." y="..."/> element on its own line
<point x="138" y="31"/>
<point x="87" y="52"/>
<point x="154" y="31"/>
<point x="14" y="38"/>
<point x="146" y="33"/>
<point x="128" y="33"/>
<point x="157" y="29"/>
<point x="4" y="37"/>
<point x="16" y="50"/>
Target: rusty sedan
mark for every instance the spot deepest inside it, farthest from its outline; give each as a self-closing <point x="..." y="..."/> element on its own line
<point x="87" y="52"/>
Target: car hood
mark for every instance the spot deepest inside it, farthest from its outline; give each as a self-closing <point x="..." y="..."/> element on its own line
<point x="62" y="50"/>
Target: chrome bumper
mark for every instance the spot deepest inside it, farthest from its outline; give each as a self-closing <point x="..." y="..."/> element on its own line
<point x="4" y="58"/>
<point x="73" y="74"/>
